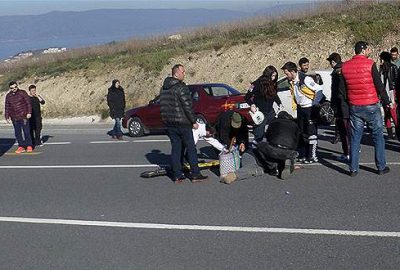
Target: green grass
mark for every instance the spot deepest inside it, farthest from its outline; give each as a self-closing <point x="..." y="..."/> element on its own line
<point x="369" y="22"/>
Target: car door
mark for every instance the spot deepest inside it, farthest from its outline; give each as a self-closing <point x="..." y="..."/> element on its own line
<point x="215" y="101"/>
<point x="151" y="117"/>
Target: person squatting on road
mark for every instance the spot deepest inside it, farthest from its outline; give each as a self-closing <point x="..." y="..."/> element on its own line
<point x="389" y="75"/>
<point x="278" y="153"/>
<point x="35" y="121"/>
<point x="306" y="94"/>
<point x="364" y="86"/>
<point x="229" y="125"/>
<point x="340" y="105"/>
<point x="261" y="96"/>
<point x="178" y="116"/>
<point x="116" y="103"/>
<point x="18" y="110"/>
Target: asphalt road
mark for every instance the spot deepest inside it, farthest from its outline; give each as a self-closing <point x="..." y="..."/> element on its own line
<point x="78" y="203"/>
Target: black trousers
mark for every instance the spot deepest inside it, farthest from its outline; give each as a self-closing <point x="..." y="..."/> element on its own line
<point x="308" y="128"/>
<point x="272" y="157"/>
<point x="36" y="129"/>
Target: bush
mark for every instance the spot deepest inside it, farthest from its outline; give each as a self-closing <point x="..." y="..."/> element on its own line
<point x="104" y="114"/>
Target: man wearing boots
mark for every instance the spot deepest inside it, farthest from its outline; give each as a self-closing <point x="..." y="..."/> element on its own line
<point x="306" y="94"/>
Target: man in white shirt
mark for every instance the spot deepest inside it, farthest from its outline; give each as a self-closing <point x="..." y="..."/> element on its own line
<point x="306" y="94"/>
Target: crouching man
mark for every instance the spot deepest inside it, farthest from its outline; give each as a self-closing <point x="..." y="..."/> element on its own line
<point x="278" y="153"/>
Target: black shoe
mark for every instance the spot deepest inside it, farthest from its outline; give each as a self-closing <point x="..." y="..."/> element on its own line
<point x="353" y="173"/>
<point x="335" y="140"/>
<point x="310" y="161"/>
<point x="301" y="159"/>
<point x="384" y="171"/>
<point x="198" y="178"/>
<point x="286" y="170"/>
<point x="180" y="179"/>
<point x="274" y="172"/>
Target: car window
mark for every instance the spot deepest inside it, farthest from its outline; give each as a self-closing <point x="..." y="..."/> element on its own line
<point x="283" y="85"/>
<point x="195" y="95"/>
<point x="218" y="91"/>
<point x="207" y="90"/>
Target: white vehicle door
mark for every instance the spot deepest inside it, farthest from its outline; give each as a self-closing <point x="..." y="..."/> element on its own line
<point x="285" y="96"/>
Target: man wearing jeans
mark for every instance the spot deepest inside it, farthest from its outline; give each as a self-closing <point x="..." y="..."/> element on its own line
<point x="18" y="110"/>
<point x="364" y="87"/>
<point x="179" y="118"/>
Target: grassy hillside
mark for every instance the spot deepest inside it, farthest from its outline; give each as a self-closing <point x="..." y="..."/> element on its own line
<point x="149" y="57"/>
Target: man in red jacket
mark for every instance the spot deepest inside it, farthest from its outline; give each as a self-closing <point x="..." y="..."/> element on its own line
<point x="18" y="110"/>
<point x="364" y="91"/>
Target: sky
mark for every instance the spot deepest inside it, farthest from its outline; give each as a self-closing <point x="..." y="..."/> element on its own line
<point x="35" y="7"/>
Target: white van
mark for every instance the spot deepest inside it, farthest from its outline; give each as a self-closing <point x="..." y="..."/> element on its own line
<point x="326" y="114"/>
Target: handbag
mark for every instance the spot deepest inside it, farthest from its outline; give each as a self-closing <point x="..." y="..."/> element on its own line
<point x="229" y="162"/>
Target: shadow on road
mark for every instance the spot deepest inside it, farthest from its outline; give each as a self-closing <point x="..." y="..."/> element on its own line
<point x="157" y="157"/>
<point x="5" y="145"/>
<point x="45" y="138"/>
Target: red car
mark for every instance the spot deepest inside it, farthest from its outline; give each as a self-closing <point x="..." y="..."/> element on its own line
<point x="209" y="101"/>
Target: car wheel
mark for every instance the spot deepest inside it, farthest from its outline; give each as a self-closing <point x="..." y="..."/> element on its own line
<point x="135" y="127"/>
<point x="326" y="114"/>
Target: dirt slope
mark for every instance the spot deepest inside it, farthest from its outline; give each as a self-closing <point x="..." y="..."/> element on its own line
<point x="83" y="92"/>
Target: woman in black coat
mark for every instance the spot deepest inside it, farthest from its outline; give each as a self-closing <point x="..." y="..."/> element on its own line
<point x="389" y="75"/>
<point x="116" y="103"/>
<point x="262" y="94"/>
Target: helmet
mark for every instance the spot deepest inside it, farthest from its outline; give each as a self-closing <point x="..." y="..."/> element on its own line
<point x="257" y="116"/>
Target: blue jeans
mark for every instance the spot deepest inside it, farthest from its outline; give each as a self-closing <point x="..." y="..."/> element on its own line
<point x="181" y="140"/>
<point x="19" y="127"/>
<point x="370" y="114"/>
<point x="117" y="131"/>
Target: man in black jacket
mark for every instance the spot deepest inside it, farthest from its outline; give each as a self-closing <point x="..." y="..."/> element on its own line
<point x="36" y="120"/>
<point x="278" y="153"/>
<point x="340" y="105"/>
<point x="179" y="118"/>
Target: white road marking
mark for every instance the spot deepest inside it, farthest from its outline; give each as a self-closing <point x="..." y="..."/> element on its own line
<point x="344" y="164"/>
<point x="106" y="142"/>
<point x="201" y="227"/>
<point x="80" y="166"/>
<point x="160" y="140"/>
<point x="56" y="143"/>
<point x="148" y="141"/>
<point x="149" y="166"/>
